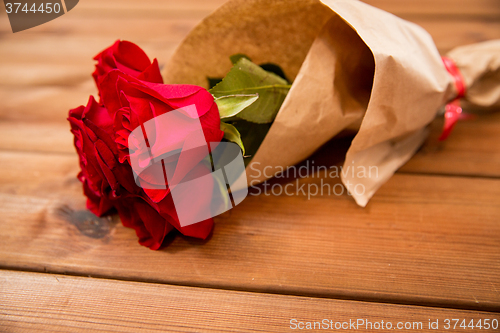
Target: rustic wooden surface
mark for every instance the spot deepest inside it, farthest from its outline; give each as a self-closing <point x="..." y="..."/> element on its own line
<point x="426" y="247"/>
<point x="76" y="304"/>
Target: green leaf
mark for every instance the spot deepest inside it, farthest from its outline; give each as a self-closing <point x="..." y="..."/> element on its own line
<point x="273" y="68"/>
<point x="236" y="57"/>
<point x="231" y="105"/>
<point x="248" y="78"/>
<point x="231" y="134"/>
<point x="252" y="135"/>
<point x="213" y="81"/>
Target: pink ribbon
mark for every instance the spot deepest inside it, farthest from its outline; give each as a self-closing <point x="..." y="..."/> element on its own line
<point x="453" y="110"/>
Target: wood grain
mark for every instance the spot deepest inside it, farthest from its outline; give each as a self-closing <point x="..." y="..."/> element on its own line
<point x="75" y="49"/>
<point x="55" y="303"/>
<point x="52" y="137"/>
<point x="429" y="240"/>
<point x="421" y="240"/>
<point x="44" y="103"/>
<point x="460" y="9"/>
<point x="86" y="31"/>
<point x="473" y="149"/>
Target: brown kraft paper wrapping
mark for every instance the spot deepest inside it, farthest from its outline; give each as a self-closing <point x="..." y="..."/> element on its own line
<point x="352" y="66"/>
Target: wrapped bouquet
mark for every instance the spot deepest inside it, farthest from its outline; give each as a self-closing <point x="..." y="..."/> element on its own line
<point x="277" y="79"/>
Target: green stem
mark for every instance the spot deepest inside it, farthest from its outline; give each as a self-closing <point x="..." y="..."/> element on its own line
<point x="279" y="86"/>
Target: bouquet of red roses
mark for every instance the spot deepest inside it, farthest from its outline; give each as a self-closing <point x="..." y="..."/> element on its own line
<point x="131" y="92"/>
<point x="112" y="145"/>
<point x="352" y="66"/>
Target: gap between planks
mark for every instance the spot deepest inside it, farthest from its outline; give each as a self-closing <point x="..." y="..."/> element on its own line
<point x="55" y="302"/>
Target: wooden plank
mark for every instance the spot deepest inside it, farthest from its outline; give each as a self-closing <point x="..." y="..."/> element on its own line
<point x="467" y="20"/>
<point x="473" y="149"/>
<point x="398" y="7"/>
<point x="30" y="60"/>
<point x="78" y="37"/>
<point x="167" y="9"/>
<point x="450" y="33"/>
<point x="57" y="303"/>
<point x="83" y="40"/>
<point x="40" y="137"/>
<point x="421" y="240"/>
<point x="442" y="8"/>
<point x="78" y="51"/>
<point x="43" y="103"/>
<point x="68" y="66"/>
<point x="199" y="9"/>
<point x="119" y="20"/>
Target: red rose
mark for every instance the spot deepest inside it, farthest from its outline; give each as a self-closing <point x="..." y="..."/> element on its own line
<point x="102" y="139"/>
<point x="103" y="177"/>
<point x="128" y="58"/>
<point x="132" y="103"/>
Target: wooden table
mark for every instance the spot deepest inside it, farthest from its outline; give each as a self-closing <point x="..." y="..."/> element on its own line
<point x="427" y="247"/>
